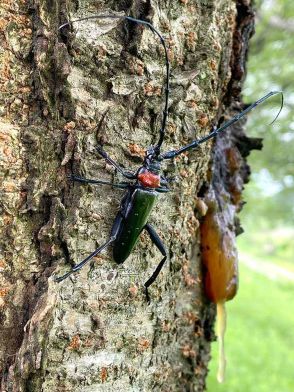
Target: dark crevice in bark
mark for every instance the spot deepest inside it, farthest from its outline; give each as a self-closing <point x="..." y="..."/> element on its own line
<point x="243" y="32"/>
<point x="66" y="252"/>
<point x="51" y="62"/>
<point x="144" y="10"/>
<point x="207" y="323"/>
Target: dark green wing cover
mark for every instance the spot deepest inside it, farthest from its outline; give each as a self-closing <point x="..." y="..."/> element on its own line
<point x="136" y="217"/>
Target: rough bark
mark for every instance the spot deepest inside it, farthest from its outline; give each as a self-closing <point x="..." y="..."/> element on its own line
<point x="61" y="94"/>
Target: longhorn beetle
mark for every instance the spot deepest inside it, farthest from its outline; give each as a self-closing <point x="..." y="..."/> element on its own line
<point x="148" y="183"/>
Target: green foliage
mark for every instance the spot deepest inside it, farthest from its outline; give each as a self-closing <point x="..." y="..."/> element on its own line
<point x="270" y="68"/>
<point x="259" y="338"/>
<point x="274" y="245"/>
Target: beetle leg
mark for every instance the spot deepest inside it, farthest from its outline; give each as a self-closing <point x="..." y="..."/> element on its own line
<point x="125" y="173"/>
<point x="77" y="267"/>
<point x="162" y="189"/>
<point x="113" y="235"/>
<point x="167" y="180"/>
<point x="159" y="244"/>
<point x="96" y="182"/>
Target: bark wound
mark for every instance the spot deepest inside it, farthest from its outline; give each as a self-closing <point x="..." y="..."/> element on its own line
<point x="243" y="32"/>
<point x="228" y="174"/>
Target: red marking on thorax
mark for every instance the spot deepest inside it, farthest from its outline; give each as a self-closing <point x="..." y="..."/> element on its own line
<point x="149" y="180"/>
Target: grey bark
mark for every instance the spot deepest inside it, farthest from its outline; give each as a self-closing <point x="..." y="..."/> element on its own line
<point x="95" y="332"/>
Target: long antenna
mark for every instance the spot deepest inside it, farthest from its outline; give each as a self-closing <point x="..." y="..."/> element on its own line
<point x="195" y="143"/>
<point x="152" y="28"/>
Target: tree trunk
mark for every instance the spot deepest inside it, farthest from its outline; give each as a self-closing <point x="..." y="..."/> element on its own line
<point x="62" y="94"/>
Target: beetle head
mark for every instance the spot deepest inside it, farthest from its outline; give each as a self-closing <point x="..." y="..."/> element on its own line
<point x="151" y="162"/>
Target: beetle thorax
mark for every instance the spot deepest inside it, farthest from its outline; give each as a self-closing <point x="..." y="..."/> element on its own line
<point x="149" y="179"/>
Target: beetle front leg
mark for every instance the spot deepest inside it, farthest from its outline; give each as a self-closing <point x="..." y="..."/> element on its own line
<point x="159" y="244"/>
<point x="167" y="180"/>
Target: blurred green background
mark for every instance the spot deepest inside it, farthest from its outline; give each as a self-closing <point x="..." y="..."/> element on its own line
<point x="260" y="334"/>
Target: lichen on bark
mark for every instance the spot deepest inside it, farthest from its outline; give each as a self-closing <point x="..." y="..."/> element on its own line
<point x="62" y="93"/>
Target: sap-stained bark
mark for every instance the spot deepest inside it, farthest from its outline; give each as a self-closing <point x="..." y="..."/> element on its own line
<point x="61" y="94"/>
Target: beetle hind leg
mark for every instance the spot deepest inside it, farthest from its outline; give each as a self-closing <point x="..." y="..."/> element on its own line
<point x="159" y="244"/>
<point x="79" y="266"/>
<point x="113" y="235"/>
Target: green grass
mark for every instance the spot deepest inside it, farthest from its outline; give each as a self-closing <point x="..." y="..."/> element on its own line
<point x="260" y="338"/>
<point x="274" y="245"/>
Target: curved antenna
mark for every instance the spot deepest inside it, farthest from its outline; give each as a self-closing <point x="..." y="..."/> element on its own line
<point x="152" y="28"/>
<point x="173" y="153"/>
<point x="281" y="107"/>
